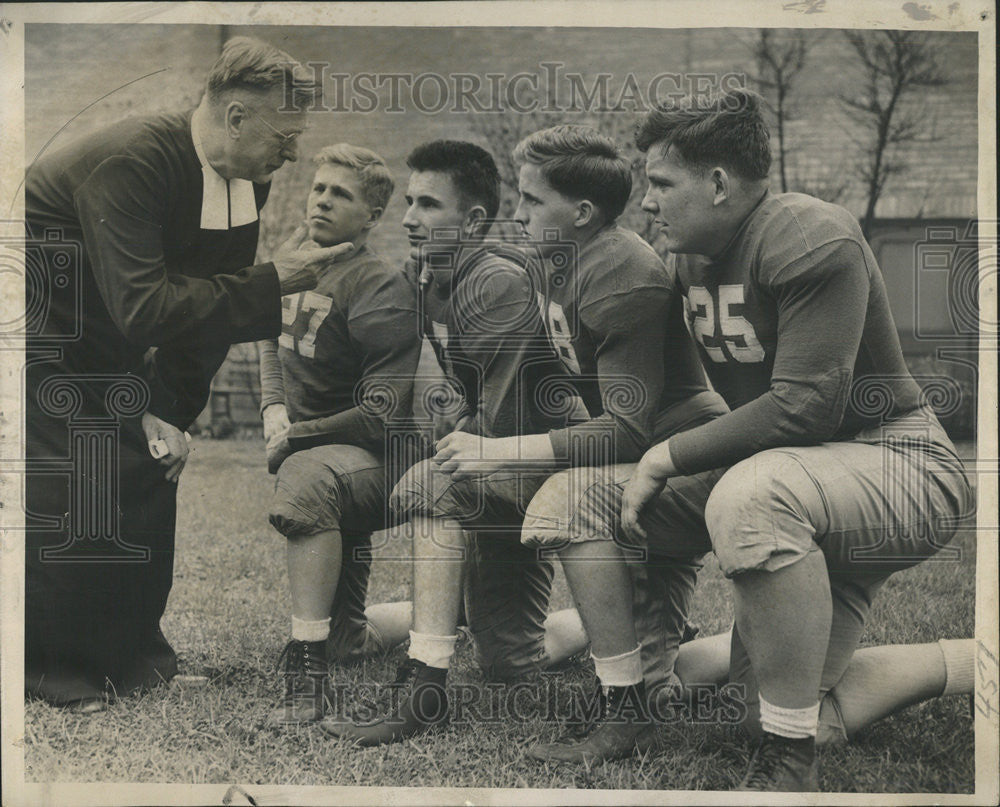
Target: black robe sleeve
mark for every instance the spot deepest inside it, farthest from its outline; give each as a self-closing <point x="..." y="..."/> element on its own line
<point x="121" y="207"/>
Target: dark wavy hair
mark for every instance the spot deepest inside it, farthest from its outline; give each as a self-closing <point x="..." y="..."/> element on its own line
<point x="470" y="167"/>
<point x="726" y="129"/>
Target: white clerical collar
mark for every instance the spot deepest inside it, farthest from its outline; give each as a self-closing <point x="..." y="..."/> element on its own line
<point x="225" y="202"/>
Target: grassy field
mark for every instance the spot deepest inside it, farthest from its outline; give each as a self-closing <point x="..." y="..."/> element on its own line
<point x="228" y="617"/>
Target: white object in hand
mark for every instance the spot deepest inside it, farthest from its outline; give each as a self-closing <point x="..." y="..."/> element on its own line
<point x="158" y="448"/>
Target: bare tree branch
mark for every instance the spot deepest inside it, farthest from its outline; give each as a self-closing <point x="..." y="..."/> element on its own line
<point x="780" y="61"/>
<point x="894" y="66"/>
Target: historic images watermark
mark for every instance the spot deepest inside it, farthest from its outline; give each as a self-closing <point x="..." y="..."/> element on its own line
<point x="549" y="89"/>
<point x="545" y="696"/>
<point x="46" y="263"/>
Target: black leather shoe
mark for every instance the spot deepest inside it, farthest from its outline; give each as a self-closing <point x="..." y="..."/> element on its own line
<point x="621" y="727"/>
<point x="783" y="764"/>
<point x="424" y="706"/>
<point x="304" y="668"/>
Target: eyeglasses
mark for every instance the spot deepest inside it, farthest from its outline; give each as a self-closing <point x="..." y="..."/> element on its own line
<point x="286" y="139"/>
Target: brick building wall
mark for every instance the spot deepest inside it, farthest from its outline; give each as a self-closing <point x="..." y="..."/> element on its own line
<point x="73" y="85"/>
<point x="67" y="69"/>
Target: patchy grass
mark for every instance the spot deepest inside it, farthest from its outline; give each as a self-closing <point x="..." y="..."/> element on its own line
<point x="228" y="618"/>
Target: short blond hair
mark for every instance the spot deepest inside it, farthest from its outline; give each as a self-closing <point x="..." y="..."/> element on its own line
<point x="580" y="163"/>
<point x="377" y="183"/>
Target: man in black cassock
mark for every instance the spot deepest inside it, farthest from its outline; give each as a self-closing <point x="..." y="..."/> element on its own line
<point x="159" y="216"/>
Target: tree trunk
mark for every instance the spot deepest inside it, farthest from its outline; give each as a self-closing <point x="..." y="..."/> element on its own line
<point x="781" y="137"/>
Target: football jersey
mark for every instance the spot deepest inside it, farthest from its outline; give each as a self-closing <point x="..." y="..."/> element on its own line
<point x="793" y="326"/>
<point x="482" y="320"/>
<point x="613" y="316"/>
<point x="347" y="354"/>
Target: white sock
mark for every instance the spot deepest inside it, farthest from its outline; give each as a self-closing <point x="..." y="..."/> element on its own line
<point x="308" y="630"/>
<point x="959" y="665"/>
<point x="619" y="671"/>
<point x="434" y="651"/>
<point x="793" y="723"/>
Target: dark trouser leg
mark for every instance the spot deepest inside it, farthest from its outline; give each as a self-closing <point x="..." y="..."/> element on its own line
<point x="507" y="589"/>
<point x="92" y="623"/>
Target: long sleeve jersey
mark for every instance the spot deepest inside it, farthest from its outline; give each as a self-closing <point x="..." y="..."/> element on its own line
<point x="347" y="354"/>
<point x="613" y="315"/>
<point x="125" y="204"/>
<point x="792" y="324"/>
<point x="483" y="322"/>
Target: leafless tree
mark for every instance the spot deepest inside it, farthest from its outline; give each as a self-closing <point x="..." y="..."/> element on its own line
<point x="895" y="66"/>
<point x="780" y="59"/>
<point x="830" y="183"/>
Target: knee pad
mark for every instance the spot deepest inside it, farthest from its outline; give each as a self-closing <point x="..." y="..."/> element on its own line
<point x="306" y="497"/>
<point x="580" y="504"/>
<point x="761" y="513"/>
<point x="418" y="491"/>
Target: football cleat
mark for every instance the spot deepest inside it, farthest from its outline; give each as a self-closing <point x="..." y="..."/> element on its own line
<point x="690" y="632"/>
<point x="424" y="707"/>
<point x="620" y="728"/>
<point x="304" y="668"/>
<point x="783" y="764"/>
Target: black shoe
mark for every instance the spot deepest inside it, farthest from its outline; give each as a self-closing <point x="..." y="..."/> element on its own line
<point x="424" y="706"/>
<point x="620" y="728"/>
<point x="783" y="764"/>
<point x="690" y="632"/>
<point x="305" y="670"/>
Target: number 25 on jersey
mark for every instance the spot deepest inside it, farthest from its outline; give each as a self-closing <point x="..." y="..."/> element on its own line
<point x="707" y="317"/>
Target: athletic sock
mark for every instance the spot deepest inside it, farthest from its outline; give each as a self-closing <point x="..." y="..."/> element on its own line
<point x="619" y="671"/>
<point x="959" y="666"/>
<point x="793" y="723"/>
<point x="308" y="630"/>
<point x="434" y="651"/>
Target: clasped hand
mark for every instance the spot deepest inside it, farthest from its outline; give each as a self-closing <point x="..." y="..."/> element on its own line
<point x="465" y="455"/>
<point x="646" y="483"/>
